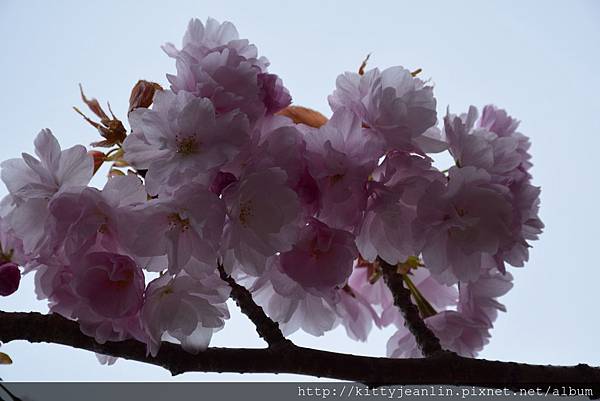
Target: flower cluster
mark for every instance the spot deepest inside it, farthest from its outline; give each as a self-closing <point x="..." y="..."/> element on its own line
<point x="301" y="209"/>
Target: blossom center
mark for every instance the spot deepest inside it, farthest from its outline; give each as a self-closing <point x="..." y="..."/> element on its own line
<point x="124" y="282"/>
<point x="6" y="255"/>
<point x="176" y="221"/>
<point x="187" y="145"/>
<point x="460" y="211"/>
<point x="315" y="251"/>
<point x="334" y="179"/>
<point x="167" y="291"/>
<point x="245" y="213"/>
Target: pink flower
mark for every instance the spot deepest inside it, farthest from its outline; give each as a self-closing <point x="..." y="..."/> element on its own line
<point x="272" y="93"/>
<point x="500" y="123"/>
<point x="462" y="223"/>
<point x="202" y="39"/>
<point x="322" y="257"/>
<point x="32" y="183"/>
<point x="215" y="64"/>
<point x="355" y="314"/>
<point x="478" y="300"/>
<point x="263" y="219"/>
<point x="479" y="147"/>
<point x="456" y="333"/>
<point x="492" y="143"/>
<point x="181" y="139"/>
<point x="396" y="106"/>
<point x="221" y="181"/>
<point x="186" y="226"/>
<point x="56" y="169"/>
<point x="111" y="285"/>
<point x="340" y="156"/>
<point x="10" y="277"/>
<point x="398" y="184"/>
<point x="11" y="247"/>
<point x="525" y="225"/>
<point x="82" y="216"/>
<point x="289" y="304"/>
<point x="467" y="330"/>
<point x="279" y="144"/>
<point x="103" y="291"/>
<point x="184" y="309"/>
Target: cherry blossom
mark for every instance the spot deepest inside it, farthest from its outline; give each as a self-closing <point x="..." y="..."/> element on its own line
<point x="396" y="106"/>
<point x="455" y="332"/>
<point x="467" y="330"/>
<point x="180" y="138"/>
<point x="186" y="227"/>
<point x="82" y="216"/>
<point x="32" y="183"/>
<point x="184" y="309"/>
<point x="493" y="144"/>
<point x="340" y="157"/>
<point x="304" y="210"/>
<point x="321" y="258"/>
<point x="397" y="185"/>
<point x="56" y="169"/>
<point x="263" y="218"/>
<point x="289" y="304"/>
<point x="461" y="223"/>
<point x="214" y="63"/>
<point x="102" y="290"/>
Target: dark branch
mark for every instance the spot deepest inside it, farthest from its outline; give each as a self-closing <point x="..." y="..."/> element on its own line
<point x="442" y="369"/>
<point x="427" y="341"/>
<point x="266" y="328"/>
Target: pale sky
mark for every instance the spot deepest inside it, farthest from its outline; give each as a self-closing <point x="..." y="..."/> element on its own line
<point x="537" y="59"/>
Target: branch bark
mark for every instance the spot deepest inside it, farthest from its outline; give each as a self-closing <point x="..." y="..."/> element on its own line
<point x="441" y="369"/>
<point x="426" y="339"/>
<point x="266" y="328"/>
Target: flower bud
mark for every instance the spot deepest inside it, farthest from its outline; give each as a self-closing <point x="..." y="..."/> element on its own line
<point x="142" y="94"/>
<point x="10" y="277"/>
<point x="99" y="158"/>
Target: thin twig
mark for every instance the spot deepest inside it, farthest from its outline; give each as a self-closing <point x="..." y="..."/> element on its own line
<point x="266" y="328"/>
<point x="426" y="340"/>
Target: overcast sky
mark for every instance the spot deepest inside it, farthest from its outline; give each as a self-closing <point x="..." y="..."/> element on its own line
<point x="537" y="59"/>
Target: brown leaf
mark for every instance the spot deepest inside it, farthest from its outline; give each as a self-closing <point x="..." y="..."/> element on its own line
<point x="94" y="105"/>
<point x="304" y="115"/>
<point x="110" y="128"/>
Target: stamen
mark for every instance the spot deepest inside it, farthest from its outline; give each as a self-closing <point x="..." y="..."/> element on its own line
<point x="176" y="221"/>
<point x="167" y="291"/>
<point x="245" y="212"/>
<point x="187" y="145"/>
<point x="124" y="282"/>
<point x="333" y="179"/>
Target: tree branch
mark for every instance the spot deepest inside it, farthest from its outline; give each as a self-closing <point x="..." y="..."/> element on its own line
<point x="266" y="328"/>
<point x="426" y="340"/>
<point x="441" y="369"/>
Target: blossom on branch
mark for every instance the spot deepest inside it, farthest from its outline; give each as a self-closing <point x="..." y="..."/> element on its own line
<point x="309" y="222"/>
